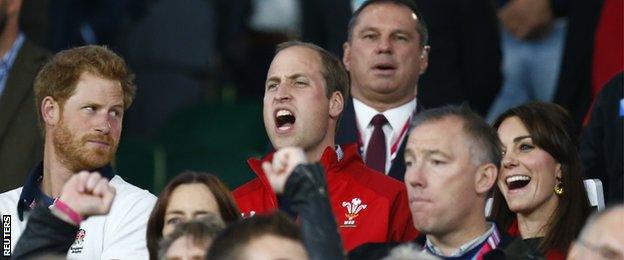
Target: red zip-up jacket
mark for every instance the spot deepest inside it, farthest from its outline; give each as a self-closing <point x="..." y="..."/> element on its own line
<point x="368" y="206"/>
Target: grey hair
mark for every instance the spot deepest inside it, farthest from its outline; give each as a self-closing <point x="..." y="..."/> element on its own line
<point x="485" y="147"/>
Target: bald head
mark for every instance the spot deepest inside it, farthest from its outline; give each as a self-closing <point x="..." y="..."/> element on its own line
<point x="602" y="236"/>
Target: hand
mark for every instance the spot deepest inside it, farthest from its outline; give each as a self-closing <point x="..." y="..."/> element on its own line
<point x="284" y="162"/>
<point x="88" y="194"/>
<point x="527" y="19"/>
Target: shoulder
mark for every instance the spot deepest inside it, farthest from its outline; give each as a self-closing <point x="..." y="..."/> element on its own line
<point x="128" y="195"/>
<point x="375" y="181"/>
<point x="249" y="189"/>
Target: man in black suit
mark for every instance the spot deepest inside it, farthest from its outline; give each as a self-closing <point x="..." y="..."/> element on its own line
<point x="385" y="54"/>
<point x="21" y="143"/>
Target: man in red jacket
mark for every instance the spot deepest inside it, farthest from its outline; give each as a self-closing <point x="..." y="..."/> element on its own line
<point x="304" y="97"/>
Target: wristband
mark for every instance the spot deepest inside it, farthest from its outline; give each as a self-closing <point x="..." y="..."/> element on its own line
<point x="73" y="215"/>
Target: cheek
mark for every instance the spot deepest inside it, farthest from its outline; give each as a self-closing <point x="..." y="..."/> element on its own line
<point x="167" y="229"/>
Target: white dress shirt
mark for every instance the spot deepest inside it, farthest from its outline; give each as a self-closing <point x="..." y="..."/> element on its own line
<point x="398" y="118"/>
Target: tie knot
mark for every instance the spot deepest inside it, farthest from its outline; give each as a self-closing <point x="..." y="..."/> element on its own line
<point x="379" y="120"/>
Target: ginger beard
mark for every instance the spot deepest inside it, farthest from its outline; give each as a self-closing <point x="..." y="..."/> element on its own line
<point x="76" y="154"/>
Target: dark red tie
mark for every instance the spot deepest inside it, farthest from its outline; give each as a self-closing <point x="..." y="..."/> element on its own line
<point x="376" y="151"/>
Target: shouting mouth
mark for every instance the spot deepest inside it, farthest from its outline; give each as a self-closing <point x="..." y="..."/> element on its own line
<point x="284" y="120"/>
<point x="517" y="181"/>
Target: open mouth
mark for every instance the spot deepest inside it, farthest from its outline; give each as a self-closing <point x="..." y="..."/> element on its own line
<point x="284" y="119"/>
<point x="517" y="181"/>
<point x="384" y="67"/>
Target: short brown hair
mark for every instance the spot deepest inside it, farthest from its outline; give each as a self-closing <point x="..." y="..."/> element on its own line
<point x="59" y="76"/>
<point x="227" y="206"/>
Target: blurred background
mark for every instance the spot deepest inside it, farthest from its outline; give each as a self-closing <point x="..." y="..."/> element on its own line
<point x="200" y="65"/>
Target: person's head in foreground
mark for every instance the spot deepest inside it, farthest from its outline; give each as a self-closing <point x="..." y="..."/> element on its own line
<point x="602" y="236"/>
<point x="81" y="95"/>
<point x="540" y="185"/>
<point x="191" y="240"/>
<point x="188" y="196"/>
<point x="260" y="237"/>
<point x="451" y="159"/>
<point x="304" y="97"/>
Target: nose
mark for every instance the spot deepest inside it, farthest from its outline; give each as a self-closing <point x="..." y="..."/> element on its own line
<point x="415" y="176"/>
<point x="283" y="93"/>
<point x="509" y="161"/>
<point x="384" y="45"/>
<point x="104" y="124"/>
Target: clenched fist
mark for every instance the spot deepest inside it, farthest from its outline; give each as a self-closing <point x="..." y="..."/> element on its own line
<point x="87" y="194"/>
<point x="284" y="162"/>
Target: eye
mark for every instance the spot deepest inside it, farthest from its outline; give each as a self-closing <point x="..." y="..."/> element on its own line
<point x="436" y="162"/>
<point x="408" y="163"/>
<point x="369" y="36"/>
<point x="89" y="109"/>
<point x="174" y="221"/>
<point x="525" y="147"/>
<point x="402" y="38"/>
<point x="271" y="85"/>
<point x="300" y="83"/>
<point x="114" y="113"/>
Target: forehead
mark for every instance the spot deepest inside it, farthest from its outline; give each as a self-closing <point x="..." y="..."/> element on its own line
<point x="188" y="194"/>
<point x="511" y="128"/>
<point x="93" y="88"/>
<point x="445" y="135"/>
<point x="295" y="60"/>
<point x="387" y="16"/>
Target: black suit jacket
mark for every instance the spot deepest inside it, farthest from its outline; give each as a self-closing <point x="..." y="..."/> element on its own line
<point x="465" y="57"/>
<point x="574" y="87"/>
<point x="21" y="142"/>
<point x="348" y="133"/>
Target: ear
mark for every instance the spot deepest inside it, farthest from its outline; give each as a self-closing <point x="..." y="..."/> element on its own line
<point x="485" y="178"/>
<point x="424" y="59"/>
<point x="50" y="111"/>
<point x="346" y="56"/>
<point x="558" y="170"/>
<point x="336" y="104"/>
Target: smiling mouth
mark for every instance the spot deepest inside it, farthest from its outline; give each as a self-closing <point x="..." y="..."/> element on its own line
<point x="517" y="181"/>
<point x="284" y="119"/>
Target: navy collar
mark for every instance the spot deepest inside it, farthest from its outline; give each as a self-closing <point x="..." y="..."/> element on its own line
<point x="32" y="193"/>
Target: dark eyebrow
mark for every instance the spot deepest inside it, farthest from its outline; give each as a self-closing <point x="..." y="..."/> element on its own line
<point x="368" y="28"/>
<point x="296" y="75"/>
<point x="277" y="79"/>
<point x="519" y="138"/>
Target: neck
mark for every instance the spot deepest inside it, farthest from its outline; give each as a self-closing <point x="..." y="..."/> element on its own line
<point x="449" y="243"/>
<point x="382" y="102"/>
<point x="535" y="224"/>
<point x="8" y="36"/>
<point x="55" y="174"/>
<point x="314" y="155"/>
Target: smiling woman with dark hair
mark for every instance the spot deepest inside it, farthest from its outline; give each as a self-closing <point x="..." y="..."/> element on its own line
<point x="189" y="195"/>
<point x="540" y="196"/>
